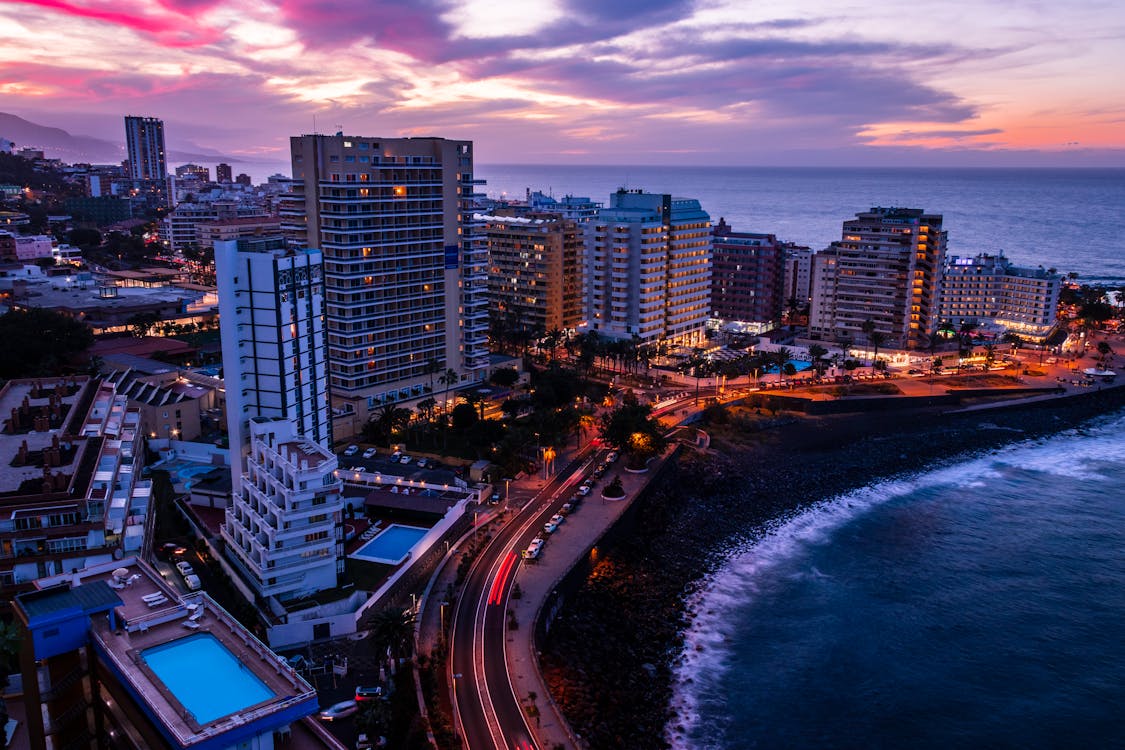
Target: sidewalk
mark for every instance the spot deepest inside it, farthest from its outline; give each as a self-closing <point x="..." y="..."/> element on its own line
<point x="538" y="578"/>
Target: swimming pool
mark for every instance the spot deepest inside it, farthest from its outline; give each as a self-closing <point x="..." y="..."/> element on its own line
<point x="205" y="677"/>
<point x="392" y="545"/>
<point x="182" y="471"/>
<point x="798" y="365"/>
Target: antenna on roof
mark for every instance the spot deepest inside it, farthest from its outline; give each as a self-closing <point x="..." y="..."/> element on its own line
<point x="314" y="125"/>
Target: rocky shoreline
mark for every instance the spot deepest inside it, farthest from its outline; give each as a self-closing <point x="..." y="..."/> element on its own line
<point x="610" y="656"/>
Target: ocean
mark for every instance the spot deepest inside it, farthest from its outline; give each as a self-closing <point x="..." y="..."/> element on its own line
<point x="979" y="604"/>
<point x="1068" y="219"/>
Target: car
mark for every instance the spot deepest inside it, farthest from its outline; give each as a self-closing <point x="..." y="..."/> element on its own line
<point x="557" y="518"/>
<point x="357" y="468"/>
<point x="351" y="450"/>
<point x="494" y="499"/>
<point x="584" y="490"/>
<point x="297" y="661"/>
<point x="193" y="582"/>
<point x="337" y="711"/>
<point x="184" y="568"/>
<point x="566" y="509"/>
<point x="589" y="482"/>
<point x="533" y="549"/>
<point x="611" y="457"/>
<point x="369" y="453"/>
<point x="405" y="459"/>
<point x="396" y="455"/>
<point x="601" y="470"/>
<point x="550" y="527"/>
<point x="365" y="742"/>
<point x="368" y="693"/>
<point x="170" y="551"/>
<point x="423" y="462"/>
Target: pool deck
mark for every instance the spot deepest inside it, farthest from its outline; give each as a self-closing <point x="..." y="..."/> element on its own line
<point x="140" y="627"/>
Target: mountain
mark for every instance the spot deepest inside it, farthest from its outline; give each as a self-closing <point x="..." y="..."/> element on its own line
<point x="57" y="143"/>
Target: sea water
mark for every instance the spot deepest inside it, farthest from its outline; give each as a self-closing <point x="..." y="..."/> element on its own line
<point x="981" y="604"/>
<point x="1069" y="219"/>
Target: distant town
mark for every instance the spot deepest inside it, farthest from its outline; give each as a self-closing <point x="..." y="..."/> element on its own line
<point x="300" y="464"/>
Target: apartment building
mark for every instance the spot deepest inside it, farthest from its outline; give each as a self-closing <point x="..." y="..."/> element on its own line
<point x="886" y="269"/>
<point x="990" y="291"/>
<point x="648" y="268"/>
<point x="405" y="263"/>
<point x="144" y="142"/>
<point x="282" y="527"/>
<point x="747" y="277"/>
<point x="535" y="270"/>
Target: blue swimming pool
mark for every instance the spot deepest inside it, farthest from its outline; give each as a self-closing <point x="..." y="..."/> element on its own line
<point x="205" y="677"/>
<point x="391" y="545"/>
<point x="798" y="365"/>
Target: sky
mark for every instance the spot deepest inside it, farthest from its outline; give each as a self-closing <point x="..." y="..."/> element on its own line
<point x="677" y="82"/>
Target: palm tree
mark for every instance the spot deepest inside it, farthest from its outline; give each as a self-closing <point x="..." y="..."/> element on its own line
<point x="386" y="420"/>
<point x="875" y="338"/>
<point x="817" y="353"/>
<point x="989" y="354"/>
<point x="449" y="379"/>
<point x="392" y="631"/>
<point x="781" y="358"/>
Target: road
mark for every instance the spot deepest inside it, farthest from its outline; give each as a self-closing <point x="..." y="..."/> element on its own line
<point x="487" y="713"/>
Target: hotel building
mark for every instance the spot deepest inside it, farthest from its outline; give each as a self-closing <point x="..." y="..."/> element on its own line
<point x="282" y="526"/>
<point x="648" y="268"/>
<point x="71" y="452"/>
<point x="114" y="657"/>
<point x="747" y="277"/>
<point x="535" y="269"/>
<point x="886" y="269"/>
<point x="989" y="290"/>
<point x="405" y="263"/>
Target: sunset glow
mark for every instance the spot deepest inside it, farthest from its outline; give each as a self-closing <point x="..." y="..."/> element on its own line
<point x="721" y="82"/>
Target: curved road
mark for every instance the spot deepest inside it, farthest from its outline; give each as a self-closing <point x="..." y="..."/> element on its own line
<point x="486" y="710"/>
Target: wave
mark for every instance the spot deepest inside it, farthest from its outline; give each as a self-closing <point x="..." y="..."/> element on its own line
<point x="713" y="608"/>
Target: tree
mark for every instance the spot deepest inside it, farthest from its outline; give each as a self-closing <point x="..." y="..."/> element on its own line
<point x="633" y="431"/>
<point x="463" y="416"/>
<point x="817" y="354"/>
<point x="10" y="645"/>
<point x="387" y="420"/>
<point x="392" y="630"/>
<point x="505" y="377"/>
<point x="40" y="342"/>
<point x="989" y="354"/>
<point x="875" y="338"/>
<point x="449" y="379"/>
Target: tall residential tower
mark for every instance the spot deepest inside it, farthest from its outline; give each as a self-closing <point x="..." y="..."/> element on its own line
<point x="406" y="265"/>
<point x="144" y="141"/>
<point x="648" y="261"/>
<point x="282" y="526"/>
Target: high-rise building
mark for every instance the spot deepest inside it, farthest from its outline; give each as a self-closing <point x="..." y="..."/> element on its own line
<point x="406" y="265"/>
<point x="886" y="269"/>
<point x="747" y="275"/>
<point x="282" y="526"/>
<point x="648" y="268"/>
<point x="223" y="173"/>
<point x="144" y="141"/>
<point x="989" y="290"/>
<point x="798" y="275"/>
<point x="535" y="270"/>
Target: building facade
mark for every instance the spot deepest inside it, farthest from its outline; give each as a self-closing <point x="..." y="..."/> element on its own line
<point x="282" y="527"/>
<point x="223" y="173"/>
<point x="70" y="492"/>
<point x="798" y="275"/>
<point x="886" y="269"/>
<point x="535" y="270"/>
<point x="144" y="142"/>
<point x="648" y="268"/>
<point x="990" y="291"/>
<point x="747" y="277"/>
<point x="406" y="265"/>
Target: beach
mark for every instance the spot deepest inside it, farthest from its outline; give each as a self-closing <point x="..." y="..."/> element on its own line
<point x="610" y="655"/>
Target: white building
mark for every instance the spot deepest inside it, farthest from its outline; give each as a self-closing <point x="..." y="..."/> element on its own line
<point x="282" y="527"/>
<point x="798" y="273"/>
<point x="649" y="268"/>
<point x="34" y="247"/>
<point x="989" y="290"/>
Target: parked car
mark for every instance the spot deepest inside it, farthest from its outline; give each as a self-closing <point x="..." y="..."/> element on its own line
<point x="584" y="490"/>
<point x="184" y="568"/>
<point x="405" y="459"/>
<point x="369" y="453"/>
<point x="423" y="462"/>
<point x="368" y="693"/>
<point x="533" y="549"/>
<point x="495" y="499"/>
<point x="611" y="457"/>
<point x="193" y="582"/>
<point x="557" y="518"/>
<point x="566" y="509"/>
<point x="550" y="527"/>
<point x="338" y="711"/>
<point x="396" y="455"/>
<point x="351" y="450"/>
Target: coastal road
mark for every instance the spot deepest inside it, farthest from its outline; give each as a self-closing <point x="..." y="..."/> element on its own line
<point x="487" y="713"/>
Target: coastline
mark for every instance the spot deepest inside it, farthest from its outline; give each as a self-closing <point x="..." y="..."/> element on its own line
<point x="610" y="658"/>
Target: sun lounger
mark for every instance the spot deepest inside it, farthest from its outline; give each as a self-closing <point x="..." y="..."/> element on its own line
<point x="150" y="597"/>
<point x="196" y="615"/>
<point x="156" y="602"/>
<point x="190" y="625"/>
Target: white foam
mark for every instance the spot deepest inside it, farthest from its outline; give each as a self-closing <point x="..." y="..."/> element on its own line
<point x="707" y="645"/>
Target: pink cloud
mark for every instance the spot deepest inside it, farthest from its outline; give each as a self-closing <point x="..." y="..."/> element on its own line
<point x="169" y="26"/>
